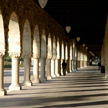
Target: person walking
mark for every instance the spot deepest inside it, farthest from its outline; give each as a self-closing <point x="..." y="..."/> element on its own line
<point x="64" y="64"/>
<point x="99" y="65"/>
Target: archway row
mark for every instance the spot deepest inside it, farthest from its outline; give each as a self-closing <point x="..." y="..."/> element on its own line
<point x="17" y="48"/>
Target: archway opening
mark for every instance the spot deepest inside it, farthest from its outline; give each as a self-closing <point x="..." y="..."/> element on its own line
<point x="36" y="55"/>
<point x="26" y="54"/>
<point x="14" y="49"/>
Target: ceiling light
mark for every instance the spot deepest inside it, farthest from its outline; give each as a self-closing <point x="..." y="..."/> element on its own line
<point x="68" y="29"/>
<point x="42" y="3"/>
<point x="78" y="39"/>
<point x="84" y="45"/>
<point x="86" y="48"/>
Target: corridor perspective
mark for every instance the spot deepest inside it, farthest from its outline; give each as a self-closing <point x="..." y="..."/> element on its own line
<point x="85" y="88"/>
<point x="54" y="53"/>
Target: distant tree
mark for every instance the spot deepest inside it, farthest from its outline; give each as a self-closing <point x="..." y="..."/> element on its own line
<point x="7" y="58"/>
<point x="21" y="59"/>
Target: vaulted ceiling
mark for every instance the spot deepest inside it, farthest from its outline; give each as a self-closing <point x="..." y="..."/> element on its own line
<point x="86" y="17"/>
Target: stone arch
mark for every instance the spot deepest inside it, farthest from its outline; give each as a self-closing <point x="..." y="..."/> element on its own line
<point x="26" y="39"/>
<point x="36" y="42"/>
<point x="26" y="52"/>
<point x="14" y="50"/>
<point x="2" y="37"/>
<point x="43" y="56"/>
<point x="14" y="34"/>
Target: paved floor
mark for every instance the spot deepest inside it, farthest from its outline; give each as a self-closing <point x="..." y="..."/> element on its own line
<point x="7" y="76"/>
<point x="86" y="88"/>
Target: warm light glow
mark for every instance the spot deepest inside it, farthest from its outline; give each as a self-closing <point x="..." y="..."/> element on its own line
<point x="86" y="48"/>
<point x="78" y="39"/>
<point x="42" y="3"/>
<point x="68" y="29"/>
<point x="84" y="45"/>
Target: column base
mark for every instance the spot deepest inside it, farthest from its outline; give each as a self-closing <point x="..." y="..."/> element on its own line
<point x="57" y="75"/>
<point x="27" y="83"/>
<point x="43" y="79"/>
<point x="53" y="76"/>
<point x="35" y="81"/>
<point x="49" y="77"/>
<point x="66" y="72"/>
<point x="70" y="71"/>
<point x="61" y="73"/>
<point x="3" y="92"/>
<point x="15" y="87"/>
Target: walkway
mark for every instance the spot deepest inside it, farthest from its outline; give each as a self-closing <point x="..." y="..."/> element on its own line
<point x="86" y="88"/>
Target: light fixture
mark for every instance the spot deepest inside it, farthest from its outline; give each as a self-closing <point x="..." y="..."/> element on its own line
<point x="78" y="39"/>
<point x="84" y="45"/>
<point x="68" y="29"/>
<point x="42" y="3"/>
<point x="86" y="48"/>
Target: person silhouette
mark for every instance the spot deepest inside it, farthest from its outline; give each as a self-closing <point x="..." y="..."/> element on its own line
<point x="99" y="65"/>
<point x="64" y="64"/>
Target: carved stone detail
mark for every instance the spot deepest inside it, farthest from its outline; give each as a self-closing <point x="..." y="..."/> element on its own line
<point x="14" y="55"/>
<point x="49" y="57"/>
<point x="27" y="55"/>
<point x="36" y="56"/>
<point x="58" y="57"/>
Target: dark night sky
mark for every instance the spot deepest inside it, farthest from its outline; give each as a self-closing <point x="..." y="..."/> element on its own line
<point x="86" y="17"/>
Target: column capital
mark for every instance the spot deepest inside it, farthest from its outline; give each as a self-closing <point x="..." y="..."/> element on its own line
<point x="49" y="57"/>
<point x="26" y="55"/>
<point x="54" y="57"/>
<point x="36" y="56"/>
<point x="58" y="58"/>
<point x="14" y="54"/>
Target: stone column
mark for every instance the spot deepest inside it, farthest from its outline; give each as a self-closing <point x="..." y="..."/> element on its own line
<point x="70" y="66"/>
<point x="36" y="71"/>
<point x="80" y="63"/>
<point x="2" y="90"/>
<point x="15" y="72"/>
<point x="61" y="67"/>
<point x="67" y="66"/>
<point x="58" y="58"/>
<point x="42" y="73"/>
<point x="49" y="69"/>
<point x="57" y="67"/>
<point x="27" y="62"/>
<point x="53" y="68"/>
<point x="49" y="56"/>
<point x="84" y="63"/>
